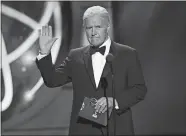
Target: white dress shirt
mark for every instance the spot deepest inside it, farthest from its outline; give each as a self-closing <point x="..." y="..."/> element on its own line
<point x="98" y="63"/>
<point x="99" y="60"/>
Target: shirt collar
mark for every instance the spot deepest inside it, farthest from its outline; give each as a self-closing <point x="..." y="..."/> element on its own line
<point x="107" y="44"/>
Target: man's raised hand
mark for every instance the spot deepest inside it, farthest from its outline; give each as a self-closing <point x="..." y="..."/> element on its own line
<point x="46" y="41"/>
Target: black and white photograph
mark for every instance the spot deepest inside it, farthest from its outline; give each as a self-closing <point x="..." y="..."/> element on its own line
<point x="103" y="68"/>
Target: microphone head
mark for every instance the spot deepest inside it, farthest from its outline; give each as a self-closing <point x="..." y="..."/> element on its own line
<point x="109" y="58"/>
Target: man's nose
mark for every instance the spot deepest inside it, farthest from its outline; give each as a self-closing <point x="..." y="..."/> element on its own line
<point x="93" y="31"/>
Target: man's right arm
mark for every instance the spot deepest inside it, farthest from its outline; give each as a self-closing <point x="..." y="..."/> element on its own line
<point x="54" y="77"/>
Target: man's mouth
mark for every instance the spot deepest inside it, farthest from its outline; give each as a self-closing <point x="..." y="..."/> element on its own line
<point x="94" y="37"/>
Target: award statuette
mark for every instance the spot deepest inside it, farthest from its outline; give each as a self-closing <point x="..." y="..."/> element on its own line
<point x="88" y="112"/>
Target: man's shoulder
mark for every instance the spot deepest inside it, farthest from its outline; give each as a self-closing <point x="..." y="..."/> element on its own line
<point x="77" y="52"/>
<point x="124" y="47"/>
<point x="79" y="49"/>
<point x="125" y="50"/>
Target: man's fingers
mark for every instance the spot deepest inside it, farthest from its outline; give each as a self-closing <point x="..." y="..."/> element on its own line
<point x="105" y="109"/>
<point x="98" y="110"/>
<point x="43" y="30"/>
<point x="97" y="107"/>
<point x="46" y="30"/>
<point x="102" y="108"/>
<point x="101" y="99"/>
<point x="99" y="103"/>
<point x="50" y="31"/>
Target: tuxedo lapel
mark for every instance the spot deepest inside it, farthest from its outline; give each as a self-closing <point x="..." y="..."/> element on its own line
<point x="113" y="49"/>
<point x="114" y="52"/>
<point x="88" y="64"/>
<point x="107" y="69"/>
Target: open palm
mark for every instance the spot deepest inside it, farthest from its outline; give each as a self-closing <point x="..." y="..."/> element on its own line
<point x="46" y="40"/>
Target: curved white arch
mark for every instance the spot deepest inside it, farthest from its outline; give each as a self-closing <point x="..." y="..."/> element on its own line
<point x="8" y="93"/>
<point x="56" y="47"/>
<point x="34" y="25"/>
<point x="50" y="8"/>
<point x="58" y="31"/>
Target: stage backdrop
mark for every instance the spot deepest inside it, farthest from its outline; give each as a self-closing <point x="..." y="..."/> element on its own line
<point x="28" y="106"/>
<point x="158" y="31"/>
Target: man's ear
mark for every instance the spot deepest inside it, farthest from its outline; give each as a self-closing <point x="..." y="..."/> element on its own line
<point x="108" y="28"/>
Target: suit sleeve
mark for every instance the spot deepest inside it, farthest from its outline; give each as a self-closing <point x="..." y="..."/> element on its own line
<point x="136" y="89"/>
<point x="55" y="77"/>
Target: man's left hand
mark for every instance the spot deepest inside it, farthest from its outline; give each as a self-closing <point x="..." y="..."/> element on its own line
<point x="101" y="105"/>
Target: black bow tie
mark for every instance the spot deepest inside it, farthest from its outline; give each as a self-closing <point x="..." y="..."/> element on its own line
<point x="97" y="49"/>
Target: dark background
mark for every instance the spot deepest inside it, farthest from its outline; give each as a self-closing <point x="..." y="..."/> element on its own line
<point x="156" y="29"/>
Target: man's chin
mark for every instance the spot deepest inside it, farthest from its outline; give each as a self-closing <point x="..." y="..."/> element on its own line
<point x="95" y="44"/>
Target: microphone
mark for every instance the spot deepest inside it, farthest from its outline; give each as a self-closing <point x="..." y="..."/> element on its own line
<point x="109" y="58"/>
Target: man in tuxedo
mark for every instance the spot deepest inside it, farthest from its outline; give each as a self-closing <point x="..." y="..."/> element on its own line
<point x="86" y="66"/>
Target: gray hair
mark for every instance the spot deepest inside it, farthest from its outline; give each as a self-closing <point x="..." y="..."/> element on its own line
<point x="96" y="10"/>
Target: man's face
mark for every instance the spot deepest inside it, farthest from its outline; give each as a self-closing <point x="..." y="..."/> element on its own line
<point x="96" y="28"/>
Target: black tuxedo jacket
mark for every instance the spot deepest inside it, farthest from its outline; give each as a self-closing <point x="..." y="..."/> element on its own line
<point x="77" y="68"/>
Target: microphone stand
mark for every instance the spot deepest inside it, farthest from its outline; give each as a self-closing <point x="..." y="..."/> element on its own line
<point x="104" y="86"/>
<point x="113" y="94"/>
<point x="109" y="60"/>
